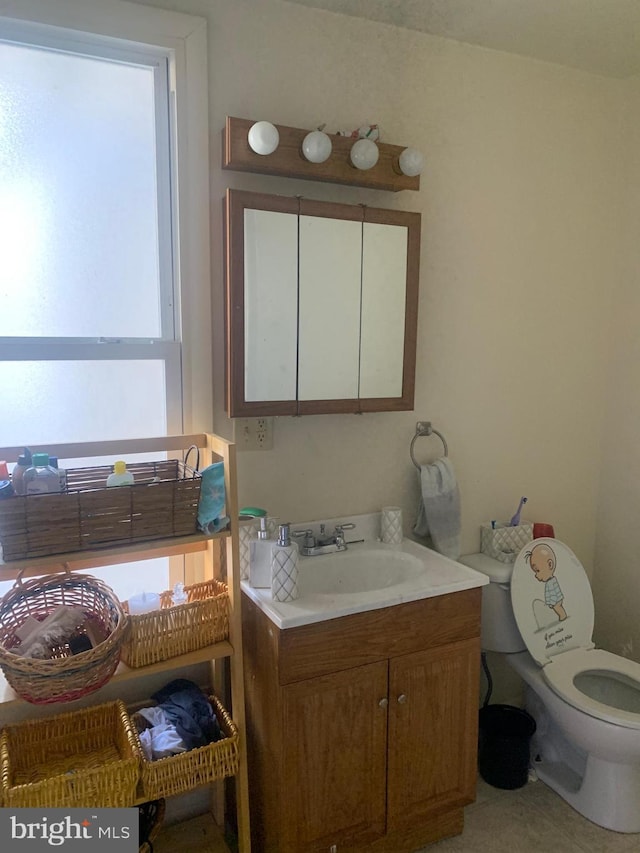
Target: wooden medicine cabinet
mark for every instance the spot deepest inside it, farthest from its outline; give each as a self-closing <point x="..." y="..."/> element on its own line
<point x="322" y="303"/>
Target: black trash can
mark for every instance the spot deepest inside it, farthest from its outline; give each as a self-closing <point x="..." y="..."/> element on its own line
<point x="503" y="746"/>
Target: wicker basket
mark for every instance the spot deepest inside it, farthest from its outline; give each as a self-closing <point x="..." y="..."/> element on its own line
<point x="172" y="631"/>
<point x="163" y="502"/>
<point x="201" y="766"/>
<point x="65" y="676"/>
<point x="88" y="758"/>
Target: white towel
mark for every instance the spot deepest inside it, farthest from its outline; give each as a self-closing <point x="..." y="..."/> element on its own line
<point x="439" y="509"/>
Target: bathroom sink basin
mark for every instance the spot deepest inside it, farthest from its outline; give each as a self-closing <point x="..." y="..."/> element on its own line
<point x="369" y="575"/>
<point x="348" y="572"/>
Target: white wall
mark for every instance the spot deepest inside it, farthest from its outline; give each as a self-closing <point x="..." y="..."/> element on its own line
<point x="522" y="254"/>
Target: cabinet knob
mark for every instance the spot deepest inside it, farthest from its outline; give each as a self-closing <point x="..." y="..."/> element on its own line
<point x="402" y="699"/>
<point x="383" y="702"/>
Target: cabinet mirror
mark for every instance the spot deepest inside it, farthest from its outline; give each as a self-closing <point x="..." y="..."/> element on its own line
<point x="321" y="306"/>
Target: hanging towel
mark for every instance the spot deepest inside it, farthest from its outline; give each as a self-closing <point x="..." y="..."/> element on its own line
<point x="439" y="508"/>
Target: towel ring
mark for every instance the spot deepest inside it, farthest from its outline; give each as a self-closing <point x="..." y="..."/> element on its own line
<point x="425" y="428"/>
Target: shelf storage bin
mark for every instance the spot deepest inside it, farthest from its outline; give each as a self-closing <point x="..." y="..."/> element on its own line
<point x="163" y="502"/>
<point x="65" y="676"/>
<point x="177" y="774"/>
<point x="177" y="630"/>
<point x="83" y="759"/>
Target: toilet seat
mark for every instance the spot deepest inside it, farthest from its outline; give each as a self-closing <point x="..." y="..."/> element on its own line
<point x="547" y="575"/>
<point x="561" y="672"/>
<point x="556" y="622"/>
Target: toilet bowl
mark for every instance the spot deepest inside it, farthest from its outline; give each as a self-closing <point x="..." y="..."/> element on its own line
<point x="585" y="701"/>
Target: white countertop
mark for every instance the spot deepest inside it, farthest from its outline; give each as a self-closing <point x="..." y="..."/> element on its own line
<point x="438" y="575"/>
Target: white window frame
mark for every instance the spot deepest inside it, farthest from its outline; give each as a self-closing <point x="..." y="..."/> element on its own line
<point x="182" y="38"/>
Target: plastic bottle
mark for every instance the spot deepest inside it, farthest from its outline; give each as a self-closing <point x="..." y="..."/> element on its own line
<point x="284" y="567"/>
<point x="6" y="489"/>
<point x="62" y="474"/>
<point x="120" y="476"/>
<point x="260" y="557"/>
<point x="179" y="596"/>
<point x="17" y="475"/>
<point x="41" y="478"/>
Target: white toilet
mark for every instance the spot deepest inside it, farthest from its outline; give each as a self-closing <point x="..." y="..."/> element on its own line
<point x="585" y="701"/>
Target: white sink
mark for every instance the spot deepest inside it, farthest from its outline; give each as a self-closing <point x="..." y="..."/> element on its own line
<point x="367" y="576"/>
<point x="354" y="571"/>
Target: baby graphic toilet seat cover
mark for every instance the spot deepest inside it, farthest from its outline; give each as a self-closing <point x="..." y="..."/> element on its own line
<point x="552" y="600"/>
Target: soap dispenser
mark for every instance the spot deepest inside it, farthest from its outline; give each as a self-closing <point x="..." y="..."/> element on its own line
<point x="260" y="557"/>
<point x="284" y="567"/>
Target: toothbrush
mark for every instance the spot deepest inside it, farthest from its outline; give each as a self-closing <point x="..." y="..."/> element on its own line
<point x="515" y="519"/>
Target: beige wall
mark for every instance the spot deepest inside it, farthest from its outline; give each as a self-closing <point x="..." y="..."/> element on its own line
<point x="617" y="581"/>
<point x="522" y="254"/>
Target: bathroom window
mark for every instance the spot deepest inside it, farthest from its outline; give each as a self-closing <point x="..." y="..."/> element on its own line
<point x="91" y="264"/>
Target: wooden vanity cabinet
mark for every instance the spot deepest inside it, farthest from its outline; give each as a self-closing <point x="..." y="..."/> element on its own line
<point x="362" y="730"/>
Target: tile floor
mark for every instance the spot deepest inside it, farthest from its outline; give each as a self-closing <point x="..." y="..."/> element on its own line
<point x="533" y="819"/>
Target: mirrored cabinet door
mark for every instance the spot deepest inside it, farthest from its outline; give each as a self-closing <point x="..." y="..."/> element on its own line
<point x="329" y="325"/>
<point x="270" y="305"/>
<point x="384" y="264"/>
<point x="321" y="306"/>
<point x="390" y="272"/>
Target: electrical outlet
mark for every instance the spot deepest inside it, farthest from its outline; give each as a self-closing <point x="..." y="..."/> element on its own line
<point x="253" y="433"/>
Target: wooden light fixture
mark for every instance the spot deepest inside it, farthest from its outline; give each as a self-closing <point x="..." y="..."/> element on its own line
<point x="288" y="160"/>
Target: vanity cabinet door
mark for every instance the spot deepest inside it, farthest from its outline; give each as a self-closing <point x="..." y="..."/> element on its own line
<point x="433" y="732"/>
<point x="335" y="740"/>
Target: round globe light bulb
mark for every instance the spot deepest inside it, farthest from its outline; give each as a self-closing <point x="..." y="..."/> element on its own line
<point x="316" y="146"/>
<point x="364" y="154"/>
<point x="411" y="162"/>
<point x="263" y="137"/>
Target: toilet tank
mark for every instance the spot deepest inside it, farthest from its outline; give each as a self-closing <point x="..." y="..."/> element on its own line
<point x="499" y="630"/>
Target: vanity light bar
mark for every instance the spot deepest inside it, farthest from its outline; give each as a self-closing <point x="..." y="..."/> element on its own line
<point x="288" y="160"/>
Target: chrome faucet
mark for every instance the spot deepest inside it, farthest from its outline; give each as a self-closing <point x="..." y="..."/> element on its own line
<point x="313" y="546"/>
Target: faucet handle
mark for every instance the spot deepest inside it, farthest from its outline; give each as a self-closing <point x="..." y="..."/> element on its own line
<point x="309" y="538"/>
<point x="346" y="526"/>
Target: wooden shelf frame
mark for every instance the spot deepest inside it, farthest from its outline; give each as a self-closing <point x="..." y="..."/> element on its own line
<point x="287" y="160"/>
<point x="218" y="651"/>
<point x="212" y="448"/>
<point x="112" y="556"/>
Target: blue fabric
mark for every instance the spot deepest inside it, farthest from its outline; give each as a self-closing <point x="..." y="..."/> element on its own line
<point x="189" y="710"/>
<point x="211" y="505"/>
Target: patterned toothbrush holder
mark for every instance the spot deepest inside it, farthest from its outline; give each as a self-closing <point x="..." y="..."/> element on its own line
<point x="391" y="525"/>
